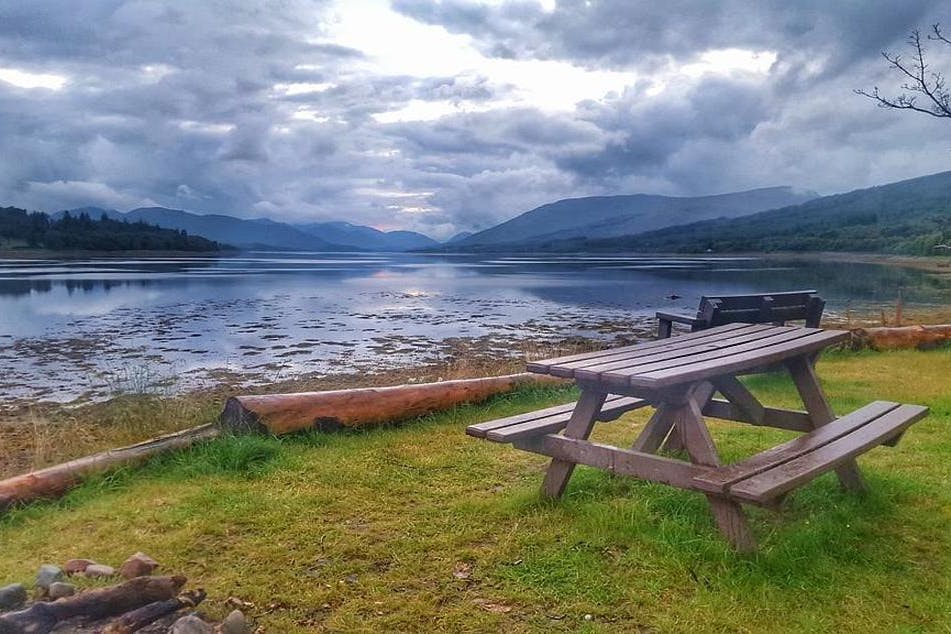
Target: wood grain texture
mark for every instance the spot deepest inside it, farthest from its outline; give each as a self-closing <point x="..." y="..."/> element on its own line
<point x="579" y="427"/>
<point x="798" y="471"/>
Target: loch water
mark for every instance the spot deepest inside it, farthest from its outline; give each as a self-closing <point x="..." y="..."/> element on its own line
<point x="89" y="327"/>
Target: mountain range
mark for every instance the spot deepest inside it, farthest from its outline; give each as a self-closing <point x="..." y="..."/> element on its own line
<point x="262" y="233"/>
<point x="610" y="216"/>
<point x="911" y="216"/>
<point x="907" y="217"/>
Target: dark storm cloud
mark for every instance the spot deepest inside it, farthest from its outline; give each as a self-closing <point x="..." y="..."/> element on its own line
<point x="250" y="108"/>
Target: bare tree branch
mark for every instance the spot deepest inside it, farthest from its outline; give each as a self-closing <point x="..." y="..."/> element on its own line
<point x="919" y="80"/>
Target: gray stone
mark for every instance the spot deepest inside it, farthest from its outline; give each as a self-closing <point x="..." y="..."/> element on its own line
<point x="12" y="596"/>
<point x="60" y="589"/>
<point x="235" y="623"/>
<point x="96" y="571"/>
<point x="47" y="574"/>
<point x="191" y="624"/>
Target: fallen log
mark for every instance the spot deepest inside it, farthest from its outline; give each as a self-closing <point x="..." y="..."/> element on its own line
<point x="285" y="413"/>
<point x="54" y="481"/>
<point x="901" y="337"/>
<point x="137" y="619"/>
<point x="41" y="618"/>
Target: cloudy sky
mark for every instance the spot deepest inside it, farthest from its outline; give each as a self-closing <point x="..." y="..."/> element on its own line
<point x="450" y="115"/>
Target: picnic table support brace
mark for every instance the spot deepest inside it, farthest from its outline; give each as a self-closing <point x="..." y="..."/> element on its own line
<point x="803" y="373"/>
<point x="579" y="427"/>
<point x="729" y="515"/>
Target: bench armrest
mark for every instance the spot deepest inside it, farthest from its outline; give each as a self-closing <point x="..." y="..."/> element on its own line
<point x="666" y="320"/>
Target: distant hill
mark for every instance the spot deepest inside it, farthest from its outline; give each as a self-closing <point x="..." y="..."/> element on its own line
<point x="367" y="238"/>
<point x="911" y="217"/>
<point x="247" y="234"/>
<point x="87" y="232"/>
<point x="611" y="216"/>
<point x="459" y="237"/>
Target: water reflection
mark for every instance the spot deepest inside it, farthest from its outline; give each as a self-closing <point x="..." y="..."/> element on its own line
<point x="66" y="325"/>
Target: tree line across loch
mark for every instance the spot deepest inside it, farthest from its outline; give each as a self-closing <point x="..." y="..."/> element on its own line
<point x="37" y="230"/>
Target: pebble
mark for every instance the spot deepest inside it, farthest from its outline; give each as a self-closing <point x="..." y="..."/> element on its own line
<point x="59" y="589"/>
<point x="99" y="571"/>
<point x="138" y="565"/>
<point x="48" y="574"/>
<point x="190" y="624"/>
<point x="12" y="596"/>
<point x="75" y="566"/>
<point x="235" y="623"/>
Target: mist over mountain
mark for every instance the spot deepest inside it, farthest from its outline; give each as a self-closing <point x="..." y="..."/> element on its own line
<point x="611" y="216"/>
<point x="345" y="233"/>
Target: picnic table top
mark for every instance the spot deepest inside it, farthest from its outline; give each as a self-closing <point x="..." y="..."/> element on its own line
<point x="723" y="350"/>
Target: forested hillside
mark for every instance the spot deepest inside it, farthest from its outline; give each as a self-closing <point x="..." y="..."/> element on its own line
<point x="37" y="230"/>
<point x="908" y="217"/>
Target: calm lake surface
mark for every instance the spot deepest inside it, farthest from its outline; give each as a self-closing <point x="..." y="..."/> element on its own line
<point x="91" y="327"/>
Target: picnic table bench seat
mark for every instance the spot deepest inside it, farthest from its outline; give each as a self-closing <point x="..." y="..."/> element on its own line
<point x="766" y="476"/>
<point x="763" y="308"/>
<point x="549" y="420"/>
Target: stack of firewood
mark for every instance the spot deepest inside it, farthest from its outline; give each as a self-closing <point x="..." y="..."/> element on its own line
<point x="142" y="603"/>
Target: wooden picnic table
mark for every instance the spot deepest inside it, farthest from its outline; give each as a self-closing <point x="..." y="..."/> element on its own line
<point x="679" y="377"/>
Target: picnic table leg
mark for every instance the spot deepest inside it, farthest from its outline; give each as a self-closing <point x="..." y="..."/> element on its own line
<point x="803" y="373"/>
<point x="701" y="394"/>
<point x="582" y="422"/>
<point x="729" y="515"/>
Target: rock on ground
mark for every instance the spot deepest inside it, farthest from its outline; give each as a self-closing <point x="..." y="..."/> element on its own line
<point x="99" y="571"/>
<point x="76" y="566"/>
<point x="60" y="589"/>
<point x="191" y="624"/>
<point x="138" y="565"/>
<point x="47" y="575"/>
<point x="235" y="623"/>
<point x="12" y="596"/>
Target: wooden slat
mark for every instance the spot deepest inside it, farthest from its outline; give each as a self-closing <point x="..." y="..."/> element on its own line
<point x="739" y="395"/>
<point x="556" y="423"/>
<point x="587" y="371"/>
<point x="738" y="362"/>
<point x="542" y="366"/>
<point x="624" y="461"/>
<point x="789" y="475"/>
<point x="721" y="479"/>
<point x="614" y="406"/>
<point x="772" y="417"/>
<point x="772" y="335"/>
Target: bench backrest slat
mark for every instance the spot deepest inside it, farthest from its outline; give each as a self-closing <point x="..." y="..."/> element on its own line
<point x="776" y="308"/>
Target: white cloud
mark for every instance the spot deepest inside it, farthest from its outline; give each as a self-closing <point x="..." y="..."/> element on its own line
<point x="23" y="79"/>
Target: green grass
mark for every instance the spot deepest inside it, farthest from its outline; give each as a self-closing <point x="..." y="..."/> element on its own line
<point x="363" y="531"/>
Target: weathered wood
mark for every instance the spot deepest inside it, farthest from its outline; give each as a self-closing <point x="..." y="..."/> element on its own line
<point x="793" y="473"/>
<point x="896" y="338"/>
<point x="614" y="459"/>
<point x="700" y="394"/>
<point x="751" y="338"/>
<point x="137" y="619"/>
<point x="558" y="422"/>
<point x="728" y="514"/>
<point x="582" y="421"/>
<point x="731" y="364"/>
<point x="772" y="417"/>
<point x="740" y="396"/>
<point x="756" y="308"/>
<point x="285" y="413"/>
<point x="614" y="407"/>
<point x="803" y="373"/>
<point x="41" y="618"/>
<point x="545" y="365"/>
<point x="54" y="481"/>
<point x="720" y="479"/>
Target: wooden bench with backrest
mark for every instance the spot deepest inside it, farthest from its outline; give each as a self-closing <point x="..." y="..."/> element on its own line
<point x="776" y="308"/>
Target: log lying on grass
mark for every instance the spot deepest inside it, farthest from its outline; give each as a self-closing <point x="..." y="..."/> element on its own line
<point x="285" y="413"/>
<point x="54" y="481"/>
<point x="41" y="618"/>
<point x="896" y="338"/>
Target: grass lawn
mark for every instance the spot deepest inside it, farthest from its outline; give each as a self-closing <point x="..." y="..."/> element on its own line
<point x="420" y="528"/>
